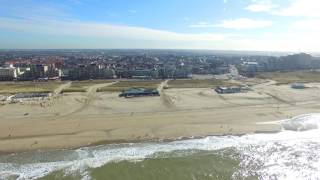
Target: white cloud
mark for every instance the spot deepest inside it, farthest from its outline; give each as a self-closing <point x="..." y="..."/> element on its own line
<point x="301" y="8"/>
<point x="244" y="23"/>
<point x="300" y="36"/>
<point x="118" y="36"/>
<point x="241" y="23"/>
<point x="262" y="6"/>
<point x="202" y="25"/>
<point x="307" y="25"/>
<point x="89" y="29"/>
<point x="295" y="8"/>
<point x="293" y="41"/>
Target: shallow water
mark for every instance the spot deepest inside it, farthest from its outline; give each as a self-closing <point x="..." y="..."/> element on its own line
<point x="290" y="154"/>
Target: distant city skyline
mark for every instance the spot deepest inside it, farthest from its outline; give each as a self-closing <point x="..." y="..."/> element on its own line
<point x="251" y="25"/>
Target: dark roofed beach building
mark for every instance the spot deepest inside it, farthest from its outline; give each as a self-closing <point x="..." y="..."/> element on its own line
<point x="139" y="92"/>
<point x="298" y="86"/>
<point x="228" y="90"/>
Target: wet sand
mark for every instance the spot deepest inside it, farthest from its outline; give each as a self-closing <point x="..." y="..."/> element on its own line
<point x="82" y="119"/>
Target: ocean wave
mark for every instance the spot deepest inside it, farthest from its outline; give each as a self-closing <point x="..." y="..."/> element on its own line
<point x="302" y="123"/>
<point x="284" y="155"/>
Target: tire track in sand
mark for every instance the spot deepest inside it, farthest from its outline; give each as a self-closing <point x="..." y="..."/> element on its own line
<point x="90" y="98"/>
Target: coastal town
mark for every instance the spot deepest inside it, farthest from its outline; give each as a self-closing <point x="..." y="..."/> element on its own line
<point x="103" y="64"/>
<point x="21" y="67"/>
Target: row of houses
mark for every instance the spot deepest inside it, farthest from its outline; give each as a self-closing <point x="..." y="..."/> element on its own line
<point x="28" y="72"/>
<point x="250" y="66"/>
<point x="85" y="72"/>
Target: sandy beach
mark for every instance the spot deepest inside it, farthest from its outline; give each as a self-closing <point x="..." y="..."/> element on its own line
<point x="86" y="118"/>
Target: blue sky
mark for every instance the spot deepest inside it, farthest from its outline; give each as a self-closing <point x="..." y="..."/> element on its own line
<point x="267" y="25"/>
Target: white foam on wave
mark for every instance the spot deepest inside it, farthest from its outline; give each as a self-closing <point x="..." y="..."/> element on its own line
<point x="302" y="123"/>
<point x="285" y="154"/>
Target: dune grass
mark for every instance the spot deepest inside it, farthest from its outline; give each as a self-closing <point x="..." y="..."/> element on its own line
<point x="292" y="77"/>
<point x="195" y="83"/>
<point x="28" y="87"/>
<point x="72" y="90"/>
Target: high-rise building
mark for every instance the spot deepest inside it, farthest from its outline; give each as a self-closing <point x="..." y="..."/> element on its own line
<point x="8" y="74"/>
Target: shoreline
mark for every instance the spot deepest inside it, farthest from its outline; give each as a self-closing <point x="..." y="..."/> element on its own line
<point x="127" y="131"/>
<point x="123" y="141"/>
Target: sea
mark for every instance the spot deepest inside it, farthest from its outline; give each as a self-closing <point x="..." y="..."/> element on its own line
<point x="293" y="153"/>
